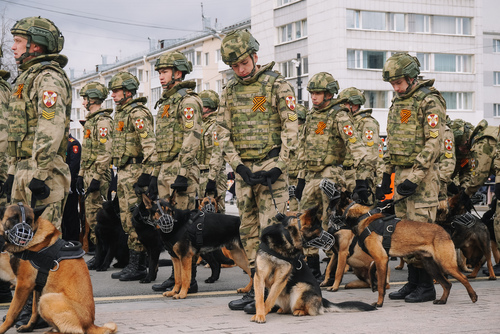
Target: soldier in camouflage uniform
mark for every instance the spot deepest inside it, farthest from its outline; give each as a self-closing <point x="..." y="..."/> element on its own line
<point x="327" y="136"/>
<point x="95" y="172"/>
<point x="368" y="129"/>
<point x="415" y="127"/>
<point x="447" y="162"/>
<point x="178" y="137"/>
<point x="293" y="166"/>
<point x="39" y="112"/>
<point x="257" y="128"/>
<point x="133" y="153"/>
<point x="213" y="179"/>
<point x="462" y="132"/>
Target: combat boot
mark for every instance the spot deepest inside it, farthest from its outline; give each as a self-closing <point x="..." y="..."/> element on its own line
<point x="425" y="290"/>
<point x="5" y="293"/>
<point x="124" y="270"/>
<point x="24" y="317"/>
<point x="408" y="287"/>
<point x="313" y="263"/>
<point x="248" y="298"/>
<point x="91" y="264"/>
<point x="168" y="283"/>
<point x="137" y="271"/>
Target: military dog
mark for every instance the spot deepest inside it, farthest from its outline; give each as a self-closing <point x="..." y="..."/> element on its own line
<point x="280" y="267"/>
<point x="186" y="233"/>
<point x="428" y="242"/>
<point x="63" y="290"/>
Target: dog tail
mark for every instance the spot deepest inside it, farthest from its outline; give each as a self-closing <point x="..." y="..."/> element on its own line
<point x="352" y="306"/>
<point x="107" y="328"/>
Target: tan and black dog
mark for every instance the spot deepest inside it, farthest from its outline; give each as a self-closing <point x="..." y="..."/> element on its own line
<point x="428" y="242"/>
<point x="66" y="299"/>
<point x="280" y="267"/>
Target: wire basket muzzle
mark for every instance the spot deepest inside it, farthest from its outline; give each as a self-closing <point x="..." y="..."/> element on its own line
<point x="20" y="234"/>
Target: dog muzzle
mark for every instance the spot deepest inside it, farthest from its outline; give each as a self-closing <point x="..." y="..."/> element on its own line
<point x="324" y="241"/>
<point x="328" y="187"/>
<point x="20" y="234"/>
<point x="335" y="222"/>
<point x="209" y="208"/>
<point x="165" y="222"/>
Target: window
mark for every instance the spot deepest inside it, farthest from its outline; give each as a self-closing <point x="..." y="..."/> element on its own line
<point x="496" y="45"/>
<point x="452" y="63"/>
<point x="425" y="63"/>
<point x="373" y="20"/>
<point x="352" y="18"/>
<point x="206" y="59"/>
<point x="458" y="101"/>
<point x="280" y="3"/>
<point x="376" y="99"/>
<point x="289" y="68"/>
<point x="155" y="73"/>
<point x="496" y="78"/>
<point x="292" y="31"/>
<point x="217" y="56"/>
<point x="140" y="75"/>
<point x="496" y="110"/>
<point x="108" y="104"/>
<point x="451" y="25"/>
<point x="365" y="59"/>
<point x="155" y="95"/>
<point x="218" y="86"/>
<point x="133" y="71"/>
<point x="198" y="88"/>
<point x="190" y="56"/>
<point x="419" y="23"/>
<point x="397" y="22"/>
<point x="198" y="58"/>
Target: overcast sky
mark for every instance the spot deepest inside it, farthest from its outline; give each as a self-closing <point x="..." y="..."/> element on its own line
<point x="122" y="28"/>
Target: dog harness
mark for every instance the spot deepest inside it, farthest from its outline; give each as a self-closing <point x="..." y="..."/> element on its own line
<point x="466" y="220"/>
<point x="49" y="257"/>
<point x="385" y="227"/>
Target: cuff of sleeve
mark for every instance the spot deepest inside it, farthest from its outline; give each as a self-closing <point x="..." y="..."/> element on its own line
<point x="183" y="172"/>
<point x="281" y="165"/>
<point x="12" y="169"/>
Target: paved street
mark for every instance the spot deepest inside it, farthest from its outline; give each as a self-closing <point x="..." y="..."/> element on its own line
<point x="135" y="308"/>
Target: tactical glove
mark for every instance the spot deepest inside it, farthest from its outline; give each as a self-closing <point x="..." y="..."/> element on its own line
<point x="95" y="185"/>
<point x="211" y="188"/>
<point x="180" y="184"/>
<point x="79" y="185"/>
<point x="245" y="173"/>
<point x="385" y="187"/>
<point x="406" y="188"/>
<point x="453" y="188"/>
<point x="300" y="188"/>
<point x="273" y="174"/>
<point x="153" y="188"/>
<point x="142" y="181"/>
<point x="39" y="189"/>
<point x="361" y="190"/>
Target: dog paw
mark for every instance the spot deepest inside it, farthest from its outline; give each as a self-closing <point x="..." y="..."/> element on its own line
<point x="210" y="280"/>
<point x="492" y="278"/>
<point x="377" y="304"/>
<point x="260" y="319"/>
<point x="169" y="293"/>
<point x="439" y="302"/>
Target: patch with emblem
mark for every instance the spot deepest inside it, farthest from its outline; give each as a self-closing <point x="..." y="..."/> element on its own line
<point x="405" y="115"/>
<point x="75" y="149"/>
<point x="369" y="134"/>
<point x="380" y="151"/>
<point x="189" y="124"/>
<point x="290" y="102"/>
<point x="49" y="98"/>
<point x="19" y="91"/>
<point x="434" y="134"/>
<point x="473" y="163"/>
<point x="216" y="141"/>
<point x="87" y="134"/>
<point x="103" y="132"/>
<point x="48" y="115"/>
<point x="464" y="162"/>
<point x="433" y="120"/>
<point x="121" y="124"/>
<point x="448" y="155"/>
<point x="103" y="140"/>
<point x="348" y="130"/>
<point x="352" y="139"/>
<point x="292" y="117"/>
<point x="258" y="103"/>
<point x="188" y="112"/>
<point x="139" y="124"/>
<point x="143" y="134"/>
<point x="165" y="110"/>
<point x="321" y="127"/>
<point x="448" y="144"/>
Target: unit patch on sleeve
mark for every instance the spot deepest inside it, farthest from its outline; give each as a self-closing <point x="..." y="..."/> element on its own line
<point x="292" y="117"/>
<point x="433" y="120"/>
<point x="139" y="124"/>
<point x="49" y="98"/>
<point x="188" y="113"/>
<point x="290" y="102"/>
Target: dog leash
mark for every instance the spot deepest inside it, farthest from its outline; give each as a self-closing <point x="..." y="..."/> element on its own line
<point x="279" y="216"/>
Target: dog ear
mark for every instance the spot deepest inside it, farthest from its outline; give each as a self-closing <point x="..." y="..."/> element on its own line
<point x="147" y="201"/>
<point x="37" y="211"/>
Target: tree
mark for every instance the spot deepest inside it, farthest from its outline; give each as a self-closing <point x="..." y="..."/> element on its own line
<point x="7" y="62"/>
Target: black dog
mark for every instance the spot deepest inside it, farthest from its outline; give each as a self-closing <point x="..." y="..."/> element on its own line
<point x="111" y="239"/>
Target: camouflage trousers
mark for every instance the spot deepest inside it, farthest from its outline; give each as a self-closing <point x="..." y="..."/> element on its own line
<point x="256" y="206"/>
<point x="221" y="184"/>
<point x="127" y="198"/>
<point x="496" y="224"/>
<point x="58" y="180"/>
<point x="94" y="200"/>
<point x="293" y="202"/>
<point x="313" y="196"/>
<point x="168" y="173"/>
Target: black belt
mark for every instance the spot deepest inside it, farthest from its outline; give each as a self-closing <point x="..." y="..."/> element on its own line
<point x="271" y="154"/>
<point x="132" y="160"/>
<point x="204" y="170"/>
<point x="348" y="168"/>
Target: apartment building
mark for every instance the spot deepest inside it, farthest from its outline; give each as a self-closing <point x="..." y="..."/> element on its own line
<point x="456" y="42"/>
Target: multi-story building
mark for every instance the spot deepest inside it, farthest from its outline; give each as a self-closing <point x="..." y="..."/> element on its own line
<point x="456" y="41"/>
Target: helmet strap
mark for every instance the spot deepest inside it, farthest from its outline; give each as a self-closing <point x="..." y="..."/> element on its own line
<point x="410" y="84"/>
<point x="27" y="53"/>
<point x="172" y="79"/>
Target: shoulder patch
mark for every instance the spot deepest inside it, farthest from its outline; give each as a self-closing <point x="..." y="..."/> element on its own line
<point x="433" y="120"/>
<point x="76" y="149"/>
<point x="139" y="123"/>
<point x="49" y="98"/>
<point x="348" y="130"/>
<point x="103" y="132"/>
<point x="292" y="117"/>
<point x="188" y="113"/>
<point x="290" y="102"/>
<point x="48" y="115"/>
<point x="189" y="124"/>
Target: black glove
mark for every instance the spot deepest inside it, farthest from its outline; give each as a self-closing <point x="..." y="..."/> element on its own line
<point x="95" y="185"/>
<point x="211" y="187"/>
<point x="246" y="174"/>
<point x="180" y="184"/>
<point x="385" y="187"/>
<point x="153" y="188"/>
<point x="453" y="188"/>
<point x="406" y="188"/>
<point x="272" y="174"/>
<point x="300" y="188"/>
<point x="142" y="181"/>
<point x="79" y="187"/>
<point x="497" y="190"/>
<point x="7" y="186"/>
<point x="39" y="189"/>
<point x="361" y="190"/>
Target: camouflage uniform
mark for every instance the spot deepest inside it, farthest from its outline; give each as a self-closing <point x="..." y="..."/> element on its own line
<point x="39" y="113"/>
<point x="256" y="128"/>
<point x="447" y="162"/>
<point x="5" y="92"/>
<point x="293" y="166"/>
<point x="461" y="132"/>
<point x="96" y="162"/>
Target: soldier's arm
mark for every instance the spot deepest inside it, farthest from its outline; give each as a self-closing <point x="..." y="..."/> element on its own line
<point x="216" y="159"/>
<point x="482" y="152"/>
<point x="286" y="103"/>
<point x="224" y="133"/>
<point x="51" y="96"/>
<point x="103" y="159"/>
<point x="447" y="159"/>
<point x="301" y="163"/>
<point x="433" y="128"/>
<point x="192" y="133"/>
<point x="147" y="139"/>
<point x="4" y="158"/>
<point x="371" y="139"/>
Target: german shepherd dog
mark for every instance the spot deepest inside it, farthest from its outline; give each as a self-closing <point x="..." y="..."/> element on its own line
<point x="111" y="239"/>
<point x="280" y="267"/>
<point x="65" y="301"/>
<point x="186" y="233"/>
<point x="428" y="242"/>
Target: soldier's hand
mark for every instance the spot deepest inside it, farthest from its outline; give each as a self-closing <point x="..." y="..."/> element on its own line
<point x="142" y="181"/>
<point x="39" y="189"/>
<point x="361" y="190"/>
<point x="301" y="183"/>
<point x="211" y="187"/>
<point x="95" y="185"/>
<point x="180" y="184"/>
<point x="453" y="188"/>
<point x="273" y="174"/>
<point x="385" y="187"/>
<point x="246" y="174"/>
<point x="153" y="188"/>
<point x="406" y="188"/>
<point x="79" y="187"/>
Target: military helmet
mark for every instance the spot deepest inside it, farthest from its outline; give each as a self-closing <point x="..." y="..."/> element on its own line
<point x="94" y="90"/>
<point x="400" y="65"/>
<point x="40" y="31"/>
<point x="174" y="59"/>
<point x="353" y="96"/>
<point x="462" y="131"/>
<point x="323" y="82"/>
<point x="124" y="80"/>
<point x="210" y="99"/>
<point x="237" y="45"/>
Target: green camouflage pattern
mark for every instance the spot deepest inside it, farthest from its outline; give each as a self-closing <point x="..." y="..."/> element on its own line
<point x="94" y="200"/>
<point x="462" y="132"/>
<point x="95" y="90"/>
<point x="210" y="99"/>
<point x="353" y="96"/>
<point x="124" y="80"/>
<point x="208" y="142"/>
<point x="237" y="45"/>
<point x="41" y="31"/>
<point x="323" y="82"/>
<point x="174" y="59"/>
<point x="5" y="92"/>
<point x="400" y="65"/>
<point x="447" y="162"/>
<point x="243" y="133"/>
